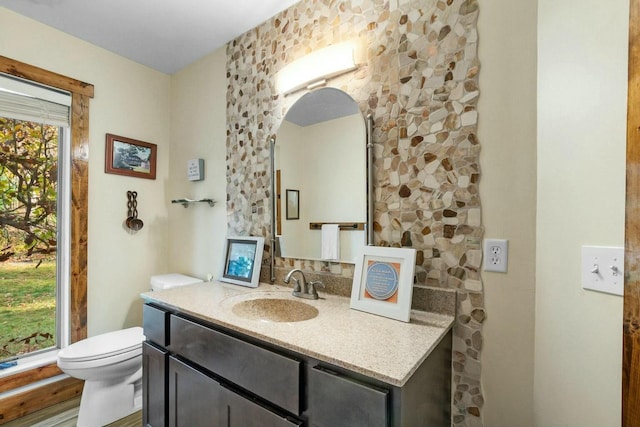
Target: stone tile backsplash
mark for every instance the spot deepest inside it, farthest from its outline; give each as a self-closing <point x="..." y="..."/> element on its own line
<point x="420" y="84"/>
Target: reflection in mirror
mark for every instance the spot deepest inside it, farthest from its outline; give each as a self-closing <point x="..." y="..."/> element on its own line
<point x="320" y="152"/>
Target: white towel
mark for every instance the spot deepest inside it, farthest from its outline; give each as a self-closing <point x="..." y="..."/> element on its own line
<point x="330" y="241"/>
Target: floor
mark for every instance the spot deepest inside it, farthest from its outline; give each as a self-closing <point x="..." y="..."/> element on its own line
<point x="65" y="415"/>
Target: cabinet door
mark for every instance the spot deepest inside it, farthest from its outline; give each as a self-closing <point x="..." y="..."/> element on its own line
<point x="336" y="400"/>
<point x="154" y="386"/>
<point x="243" y="412"/>
<point x="195" y="400"/>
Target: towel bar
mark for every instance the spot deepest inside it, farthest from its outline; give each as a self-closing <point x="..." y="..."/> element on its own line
<point x="347" y="226"/>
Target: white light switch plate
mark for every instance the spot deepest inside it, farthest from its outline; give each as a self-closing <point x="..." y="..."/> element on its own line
<point x="603" y="269"/>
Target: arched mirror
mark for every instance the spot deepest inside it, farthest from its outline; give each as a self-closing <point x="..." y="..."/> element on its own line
<point x="320" y="178"/>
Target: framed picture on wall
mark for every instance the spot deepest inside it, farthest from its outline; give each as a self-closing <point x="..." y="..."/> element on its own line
<point x="383" y="281"/>
<point x="293" y="204"/>
<point x="130" y="157"/>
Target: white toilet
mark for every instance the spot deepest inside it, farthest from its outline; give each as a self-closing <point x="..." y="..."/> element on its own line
<point x="111" y="365"/>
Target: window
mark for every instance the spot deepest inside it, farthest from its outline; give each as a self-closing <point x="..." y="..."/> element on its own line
<point x="34" y="183"/>
<point x="41" y="393"/>
<point x="32" y="212"/>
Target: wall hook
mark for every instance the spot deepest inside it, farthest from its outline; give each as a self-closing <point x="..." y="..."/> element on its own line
<point x="132" y="221"/>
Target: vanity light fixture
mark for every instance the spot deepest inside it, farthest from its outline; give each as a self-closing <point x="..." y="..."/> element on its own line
<point x="314" y="69"/>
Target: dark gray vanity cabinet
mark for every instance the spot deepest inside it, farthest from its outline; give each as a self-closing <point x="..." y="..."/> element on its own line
<point x="154" y="365"/>
<point x="195" y="399"/>
<point x="340" y="400"/>
<point x="243" y="411"/>
<point x="269" y="375"/>
<point x="205" y="375"/>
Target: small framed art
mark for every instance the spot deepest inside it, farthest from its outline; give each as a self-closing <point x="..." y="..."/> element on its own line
<point x="383" y="281"/>
<point x="126" y="156"/>
<point x="242" y="260"/>
<point x="293" y="204"/>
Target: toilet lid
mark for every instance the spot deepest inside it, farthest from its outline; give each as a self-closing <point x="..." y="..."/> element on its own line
<point x="104" y="345"/>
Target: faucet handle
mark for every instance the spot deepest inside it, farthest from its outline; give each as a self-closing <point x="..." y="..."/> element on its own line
<point x="296" y="285"/>
<point x="312" y="287"/>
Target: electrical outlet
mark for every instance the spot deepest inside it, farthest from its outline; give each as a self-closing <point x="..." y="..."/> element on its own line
<point x="496" y="255"/>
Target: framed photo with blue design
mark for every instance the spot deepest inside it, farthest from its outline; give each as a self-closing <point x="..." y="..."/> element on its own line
<point x="383" y="282"/>
<point x="242" y="260"/>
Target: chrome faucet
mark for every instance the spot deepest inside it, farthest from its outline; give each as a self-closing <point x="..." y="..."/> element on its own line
<point x="301" y="288"/>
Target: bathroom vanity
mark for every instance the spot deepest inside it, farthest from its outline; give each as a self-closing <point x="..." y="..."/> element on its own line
<point x="222" y="355"/>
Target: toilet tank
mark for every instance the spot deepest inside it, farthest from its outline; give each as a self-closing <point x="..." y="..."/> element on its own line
<point x="167" y="281"/>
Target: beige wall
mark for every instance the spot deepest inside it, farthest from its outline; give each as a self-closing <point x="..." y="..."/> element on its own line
<point x="573" y="354"/>
<point x="198" y="120"/>
<point x="507" y="133"/>
<point x="582" y="83"/>
<point x="130" y="100"/>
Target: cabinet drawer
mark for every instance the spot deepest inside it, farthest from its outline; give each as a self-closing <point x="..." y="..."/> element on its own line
<point x="262" y="372"/>
<point x="155" y="323"/>
<point x="336" y="400"/>
<point x="243" y="412"/>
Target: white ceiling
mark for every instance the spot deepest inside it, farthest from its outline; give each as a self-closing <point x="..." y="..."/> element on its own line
<point x="165" y="35"/>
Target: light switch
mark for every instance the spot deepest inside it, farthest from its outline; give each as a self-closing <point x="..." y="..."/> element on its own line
<point x="603" y="269"/>
<point x="195" y="169"/>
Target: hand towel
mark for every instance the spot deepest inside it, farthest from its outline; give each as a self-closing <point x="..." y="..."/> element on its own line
<point x="330" y="241"/>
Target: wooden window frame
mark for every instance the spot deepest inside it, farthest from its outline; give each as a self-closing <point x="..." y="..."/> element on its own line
<point x="24" y="403"/>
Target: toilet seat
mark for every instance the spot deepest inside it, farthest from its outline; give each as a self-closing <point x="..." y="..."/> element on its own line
<point x="117" y="343"/>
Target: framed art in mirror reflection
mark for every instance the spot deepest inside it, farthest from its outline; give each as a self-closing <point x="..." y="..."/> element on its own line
<point x="293" y="204"/>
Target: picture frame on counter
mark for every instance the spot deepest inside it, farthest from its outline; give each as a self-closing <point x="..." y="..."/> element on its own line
<point x="383" y="282"/>
<point x="130" y="157"/>
<point x="242" y="260"/>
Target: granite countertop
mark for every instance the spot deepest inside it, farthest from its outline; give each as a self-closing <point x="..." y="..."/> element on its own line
<point x="385" y="349"/>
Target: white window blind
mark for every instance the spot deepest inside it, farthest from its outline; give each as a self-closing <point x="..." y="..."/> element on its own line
<point x="34" y="103"/>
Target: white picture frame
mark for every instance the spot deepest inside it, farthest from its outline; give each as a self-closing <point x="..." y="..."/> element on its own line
<point x="242" y="260"/>
<point x="383" y="282"/>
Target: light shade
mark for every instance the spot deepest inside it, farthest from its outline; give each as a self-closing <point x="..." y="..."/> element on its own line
<point x="319" y="65"/>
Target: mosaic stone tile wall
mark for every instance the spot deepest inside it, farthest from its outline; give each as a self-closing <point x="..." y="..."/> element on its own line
<point x="420" y="83"/>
